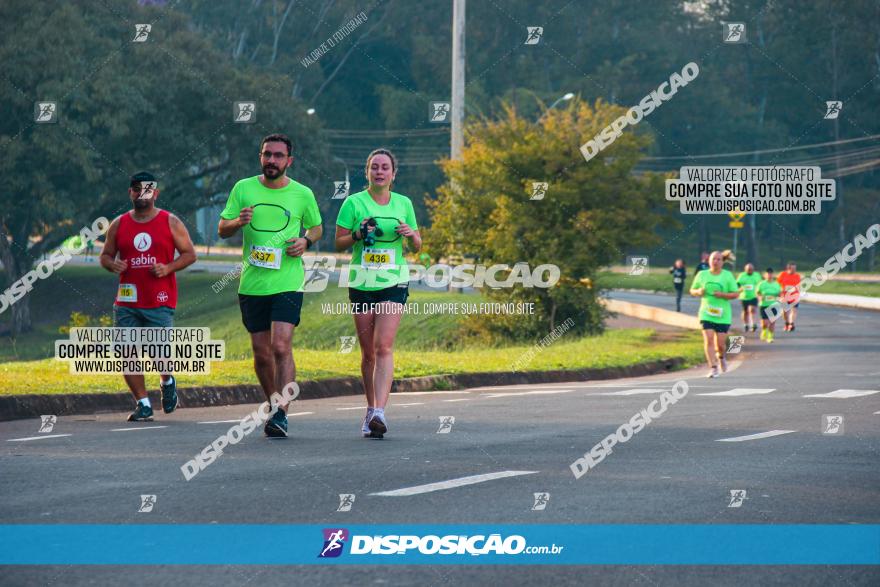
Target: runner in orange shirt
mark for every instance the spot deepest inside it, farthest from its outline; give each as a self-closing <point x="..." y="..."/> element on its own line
<point x="790" y="281"/>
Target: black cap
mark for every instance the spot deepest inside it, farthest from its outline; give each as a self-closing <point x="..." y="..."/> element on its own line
<point x="140" y="176"/>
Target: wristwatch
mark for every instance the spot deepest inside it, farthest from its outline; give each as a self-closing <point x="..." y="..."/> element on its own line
<point x="309" y="242"/>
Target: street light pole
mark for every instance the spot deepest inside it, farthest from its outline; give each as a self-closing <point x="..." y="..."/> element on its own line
<point x="458" y="7"/>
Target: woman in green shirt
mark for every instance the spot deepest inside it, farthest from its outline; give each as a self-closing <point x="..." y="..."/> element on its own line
<point x="769" y="292"/>
<point x="374" y="223"/>
<point x="716" y="286"/>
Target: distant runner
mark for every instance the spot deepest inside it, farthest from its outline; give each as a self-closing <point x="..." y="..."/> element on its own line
<point x="140" y="247"/>
<point x="748" y="280"/>
<point x="271" y="210"/>
<point x="679" y="274"/>
<point x="716" y="286"/>
<point x="790" y="280"/>
<point x="703" y="264"/>
<point x="768" y="292"/>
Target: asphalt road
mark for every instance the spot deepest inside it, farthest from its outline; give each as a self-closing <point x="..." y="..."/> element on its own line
<point x="680" y="469"/>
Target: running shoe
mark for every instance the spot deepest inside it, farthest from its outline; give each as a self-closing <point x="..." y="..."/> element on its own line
<point x="276" y="427"/>
<point x="769" y="337"/>
<point x="792" y="327"/>
<point x="723" y="362"/>
<point x="365" y="428"/>
<point x="754" y="328"/>
<point x="713" y="373"/>
<point x="378" y="426"/>
<point x="763" y="334"/>
<point x="169" y="396"/>
<point x="141" y="413"/>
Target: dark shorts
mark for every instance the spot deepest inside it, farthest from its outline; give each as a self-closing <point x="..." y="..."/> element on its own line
<point x="720" y="328"/>
<point x="751" y="302"/>
<point x="365" y="299"/>
<point x="258" y="312"/>
<point x="764" y="315"/>
<point x="125" y="317"/>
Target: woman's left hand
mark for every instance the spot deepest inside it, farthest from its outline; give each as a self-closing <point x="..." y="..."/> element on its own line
<point x="405" y="229"/>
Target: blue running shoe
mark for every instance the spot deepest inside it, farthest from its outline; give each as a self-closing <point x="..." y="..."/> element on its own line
<point x="276" y="427"/>
<point x="169" y="396"/>
<point x="141" y="413"/>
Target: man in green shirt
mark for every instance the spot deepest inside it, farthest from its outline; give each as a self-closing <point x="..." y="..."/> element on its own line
<point x="769" y="292"/>
<point x="716" y="286"/>
<point x="748" y="280"/>
<point x="271" y="210"/>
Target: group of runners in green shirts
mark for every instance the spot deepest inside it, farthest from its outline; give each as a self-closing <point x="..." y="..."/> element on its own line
<point x="716" y="287"/>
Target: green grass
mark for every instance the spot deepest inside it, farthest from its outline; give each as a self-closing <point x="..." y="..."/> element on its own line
<point x="615" y="348"/>
<point x="661" y="280"/>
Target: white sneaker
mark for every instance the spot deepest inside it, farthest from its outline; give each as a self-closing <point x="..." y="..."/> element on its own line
<point x="365" y="428"/>
<point x="723" y="364"/>
<point x="713" y="373"/>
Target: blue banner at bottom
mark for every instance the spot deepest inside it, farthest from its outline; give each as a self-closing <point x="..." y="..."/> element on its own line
<point x="486" y="544"/>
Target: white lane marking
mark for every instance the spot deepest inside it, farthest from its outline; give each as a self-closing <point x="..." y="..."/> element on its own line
<point x="299" y="414"/>
<point x="138" y="428"/>
<point x="845" y="393"/>
<point x="353" y="408"/>
<point x="452" y="483"/>
<point x="517" y="393"/>
<point x="740" y="391"/>
<point x="37" y="437"/>
<point x="460" y="399"/>
<point x="757" y="436"/>
<point x="399" y="393"/>
<point x="640" y="391"/>
<point x="411" y="404"/>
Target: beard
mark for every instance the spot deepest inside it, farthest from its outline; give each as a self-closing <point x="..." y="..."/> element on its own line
<point x="273" y="171"/>
<point x="143" y="204"/>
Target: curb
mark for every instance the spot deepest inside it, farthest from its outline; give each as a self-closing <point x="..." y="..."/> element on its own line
<point x="33" y="405"/>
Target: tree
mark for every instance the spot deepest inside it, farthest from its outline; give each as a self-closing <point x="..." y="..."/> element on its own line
<point x="165" y="105"/>
<point x="591" y="213"/>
